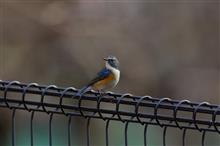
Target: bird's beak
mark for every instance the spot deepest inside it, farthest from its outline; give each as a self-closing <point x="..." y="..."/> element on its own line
<point x="106" y="59"/>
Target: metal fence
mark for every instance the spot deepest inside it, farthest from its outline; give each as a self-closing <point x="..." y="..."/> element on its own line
<point x="127" y="108"/>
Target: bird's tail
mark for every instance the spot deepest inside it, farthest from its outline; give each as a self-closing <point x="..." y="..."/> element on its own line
<point x="83" y="90"/>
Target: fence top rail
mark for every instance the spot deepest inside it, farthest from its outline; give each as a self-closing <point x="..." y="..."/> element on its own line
<point x="202" y="116"/>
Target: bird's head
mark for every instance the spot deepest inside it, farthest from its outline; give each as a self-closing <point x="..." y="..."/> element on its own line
<point x="112" y="61"/>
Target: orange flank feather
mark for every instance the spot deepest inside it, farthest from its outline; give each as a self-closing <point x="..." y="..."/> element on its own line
<point x="102" y="83"/>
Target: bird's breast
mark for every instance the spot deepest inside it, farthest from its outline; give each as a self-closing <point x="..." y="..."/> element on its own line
<point x="108" y="82"/>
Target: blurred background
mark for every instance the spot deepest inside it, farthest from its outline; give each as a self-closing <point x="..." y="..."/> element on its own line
<point x="165" y="49"/>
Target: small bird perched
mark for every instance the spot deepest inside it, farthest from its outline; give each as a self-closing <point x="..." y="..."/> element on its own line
<point x="107" y="78"/>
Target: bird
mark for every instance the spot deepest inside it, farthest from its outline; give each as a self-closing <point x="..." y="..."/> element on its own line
<point x="105" y="79"/>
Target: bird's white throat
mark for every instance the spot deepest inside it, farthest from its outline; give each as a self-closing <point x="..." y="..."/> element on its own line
<point x="108" y="66"/>
<point x="115" y="71"/>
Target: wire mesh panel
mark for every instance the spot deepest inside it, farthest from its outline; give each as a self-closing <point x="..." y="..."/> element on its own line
<point x="107" y="108"/>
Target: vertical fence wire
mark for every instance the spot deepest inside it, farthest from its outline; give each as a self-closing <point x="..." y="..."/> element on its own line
<point x="13" y="127"/>
<point x="31" y="128"/>
<point x="88" y="131"/>
<point x="69" y="130"/>
<point x="164" y="135"/>
<point x="107" y="133"/>
<point x="126" y="133"/>
<point x="184" y="137"/>
<point x="50" y="129"/>
<point x="145" y="134"/>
